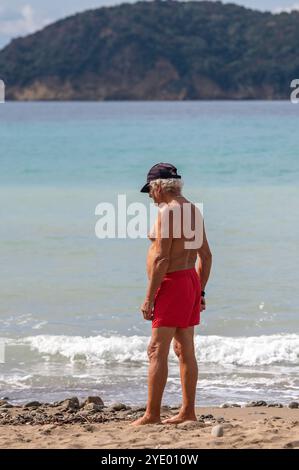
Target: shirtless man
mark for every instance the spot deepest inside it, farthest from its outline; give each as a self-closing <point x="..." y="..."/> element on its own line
<point x="175" y="292"/>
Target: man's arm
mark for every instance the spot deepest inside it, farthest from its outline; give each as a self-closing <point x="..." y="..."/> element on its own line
<point x="205" y="260"/>
<point x="161" y="259"/>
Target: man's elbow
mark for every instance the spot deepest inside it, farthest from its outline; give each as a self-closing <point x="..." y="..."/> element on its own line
<point x="206" y="255"/>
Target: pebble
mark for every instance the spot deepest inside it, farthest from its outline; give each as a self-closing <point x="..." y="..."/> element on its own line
<point x="292" y="445"/>
<point x="32" y="404"/>
<point x="256" y="403"/>
<point x="294" y="404"/>
<point x="89" y="428"/>
<point x="96" y="400"/>
<point x="135" y="409"/>
<point x="165" y="407"/>
<point x="93" y="407"/>
<point x="220" y="420"/>
<point x="117" y="407"/>
<point x="129" y="413"/>
<point x="230" y="405"/>
<point x="70" y="403"/>
<point x="206" y="417"/>
<point x="217" y="431"/>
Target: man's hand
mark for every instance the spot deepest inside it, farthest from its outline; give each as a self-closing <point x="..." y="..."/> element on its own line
<point x="202" y="303"/>
<point x="147" y="309"/>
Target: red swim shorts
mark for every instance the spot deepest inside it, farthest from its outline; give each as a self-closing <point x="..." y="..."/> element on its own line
<point x="177" y="301"/>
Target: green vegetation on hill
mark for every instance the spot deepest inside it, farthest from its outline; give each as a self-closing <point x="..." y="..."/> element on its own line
<point x="154" y="51"/>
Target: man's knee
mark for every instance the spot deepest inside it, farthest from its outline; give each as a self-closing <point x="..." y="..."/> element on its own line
<point x="177" y="349"/>
<point x="157" y="350"/>
<point x="183" y="352"/>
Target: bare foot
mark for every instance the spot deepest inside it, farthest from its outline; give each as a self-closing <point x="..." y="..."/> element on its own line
<point x="180" y="418"/>
<point x="146" y="420"/>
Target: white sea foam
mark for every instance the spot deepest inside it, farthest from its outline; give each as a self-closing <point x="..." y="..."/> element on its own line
<point x="241" y="351"/>
<point x="249" y="351"/>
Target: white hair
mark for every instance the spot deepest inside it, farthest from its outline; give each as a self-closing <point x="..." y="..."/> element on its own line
<point x="172" y="185"/>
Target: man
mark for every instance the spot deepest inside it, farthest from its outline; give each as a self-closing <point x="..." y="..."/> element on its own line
<point x="175" y="292"/>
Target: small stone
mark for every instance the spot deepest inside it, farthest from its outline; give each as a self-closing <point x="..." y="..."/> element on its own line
<point x="294" y="404"/>
<point x="235" y="405"/>
<point x="89" y="428"/>
<point x="6" y="405"/>
<point x="256" y="403"/>
<point x="117" y="407"/>
<point x="128" y="413"/>
<point x="96" y="400"/>
<point x="275" y="405"/>
<point x="3" y="402"/>
<point x="217" y="431"/>
<point x="206" y="416"/>
<point x="220" y="419"/>
<point x="292" y="445"/>
<point x="225" y="405"/>
<point x="70" y="403"/>
<point x="136" y="409"/>
<point x="32" y="404"/>
<point x="93" y="407"/>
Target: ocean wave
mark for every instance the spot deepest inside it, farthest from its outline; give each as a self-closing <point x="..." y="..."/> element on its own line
<point x="241" y="351"/>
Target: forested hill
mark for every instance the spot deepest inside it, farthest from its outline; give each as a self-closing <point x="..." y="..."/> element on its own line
<point x="160" y="50"/>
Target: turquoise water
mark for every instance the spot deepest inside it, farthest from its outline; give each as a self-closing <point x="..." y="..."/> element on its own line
<point x="213" y="143"/>
<point x="68" y="299"/>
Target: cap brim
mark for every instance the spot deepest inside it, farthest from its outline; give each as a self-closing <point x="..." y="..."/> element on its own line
<point x="145" y="188"/>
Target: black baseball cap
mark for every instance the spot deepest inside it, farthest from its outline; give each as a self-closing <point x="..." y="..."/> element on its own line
<point x="159" y="171"/>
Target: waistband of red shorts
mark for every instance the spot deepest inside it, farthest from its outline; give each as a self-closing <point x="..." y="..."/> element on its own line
<point x="180" y="273"/>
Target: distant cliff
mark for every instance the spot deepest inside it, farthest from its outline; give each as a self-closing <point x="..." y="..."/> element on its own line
<point x="160" y="50"/>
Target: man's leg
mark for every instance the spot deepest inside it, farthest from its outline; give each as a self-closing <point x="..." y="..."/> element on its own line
<point x="158" y="351"/>
<point x="184" y="348"/>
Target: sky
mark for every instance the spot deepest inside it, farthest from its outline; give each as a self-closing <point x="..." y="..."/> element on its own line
<point x="22" y="17"/>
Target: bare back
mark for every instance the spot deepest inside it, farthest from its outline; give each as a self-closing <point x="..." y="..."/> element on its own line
<point x="181" y="256"/>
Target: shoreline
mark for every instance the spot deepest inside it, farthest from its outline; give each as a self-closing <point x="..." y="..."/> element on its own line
<point x="92" y="425"/>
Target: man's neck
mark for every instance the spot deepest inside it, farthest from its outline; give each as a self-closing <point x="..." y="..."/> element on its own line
<point x="170" y="197"/>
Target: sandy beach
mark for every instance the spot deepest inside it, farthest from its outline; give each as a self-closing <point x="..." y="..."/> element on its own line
<point x="91" y="425"/>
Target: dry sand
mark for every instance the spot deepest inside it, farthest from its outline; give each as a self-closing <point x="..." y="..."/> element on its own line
<point x="250" y="427"/>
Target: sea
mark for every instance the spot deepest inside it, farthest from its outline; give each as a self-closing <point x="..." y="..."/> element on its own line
<point x="70" y="321"/>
